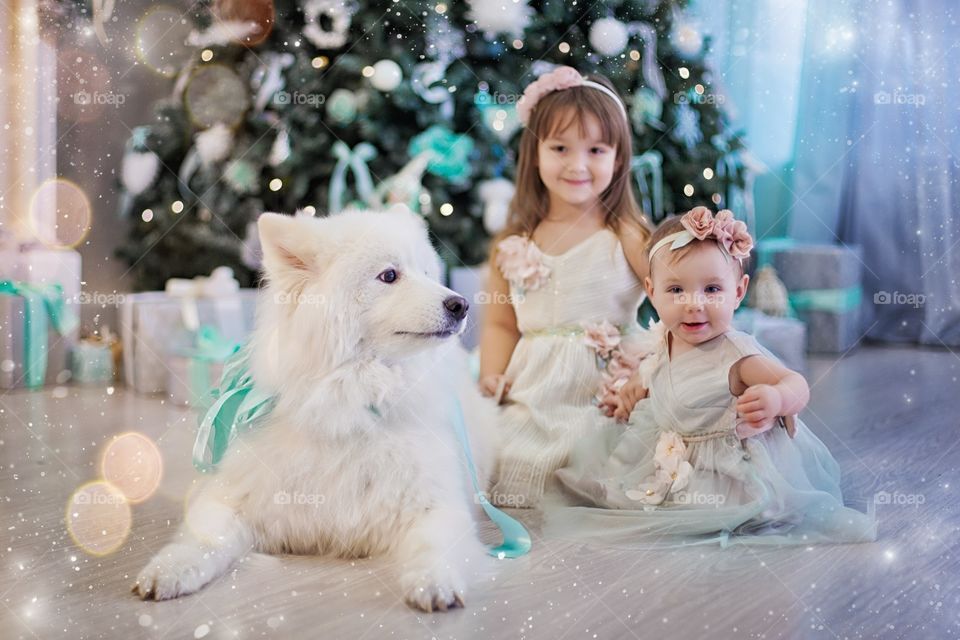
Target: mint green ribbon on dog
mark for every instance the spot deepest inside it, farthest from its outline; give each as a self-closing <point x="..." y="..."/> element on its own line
<point x="237" y="406"/>
<point x="41" y="303"/>
<point x="516" y="539"/>
<point x="356" y="160"/>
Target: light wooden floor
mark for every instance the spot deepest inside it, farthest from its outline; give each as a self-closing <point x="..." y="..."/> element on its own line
<point x="892" y="416"/>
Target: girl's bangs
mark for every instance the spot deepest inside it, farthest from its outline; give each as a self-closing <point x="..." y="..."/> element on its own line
<point x="572" y="106"/>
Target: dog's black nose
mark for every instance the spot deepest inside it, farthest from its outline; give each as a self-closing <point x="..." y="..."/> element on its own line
<point x="457" y="307"/>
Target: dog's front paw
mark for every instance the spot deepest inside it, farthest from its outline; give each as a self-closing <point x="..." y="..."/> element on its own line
<point x="433" y="589"/>
<point x="176" y="571"/>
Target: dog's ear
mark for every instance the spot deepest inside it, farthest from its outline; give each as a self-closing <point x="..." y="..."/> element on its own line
<point x="289" y="244"/>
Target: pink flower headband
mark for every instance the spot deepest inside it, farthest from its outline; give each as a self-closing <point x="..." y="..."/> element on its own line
<point x="699" y="224"/>
<point x="557" y="80"/>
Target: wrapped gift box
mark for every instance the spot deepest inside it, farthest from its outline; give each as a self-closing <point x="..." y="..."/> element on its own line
<point x="818" y="266"/>
<point x="13" y="347"/>
<point x="39" y="265"/>
<point x="92" y="362"/>
<point x="153" y="328"/>
<point x="831" y="331"/>
<point x="785" y="338"/>
<point x="823" y="281"/>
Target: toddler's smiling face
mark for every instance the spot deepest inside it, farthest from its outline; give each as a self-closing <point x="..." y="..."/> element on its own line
<point x="695" y="291"/>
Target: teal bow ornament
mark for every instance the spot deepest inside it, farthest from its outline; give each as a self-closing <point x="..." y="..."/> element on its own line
<point x="355" y="160"/>
<point x="451" y="152"/>
<point x="648" y="171"/>
<point x="501" y="119"/>
<point x="43" y="305"/>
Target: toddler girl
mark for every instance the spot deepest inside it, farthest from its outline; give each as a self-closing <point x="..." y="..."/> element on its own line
<point x="702" y="455"/>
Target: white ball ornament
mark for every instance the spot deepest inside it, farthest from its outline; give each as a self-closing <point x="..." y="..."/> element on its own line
<point x="608" y="36"/>
<point x="386" y="75"/>
<point x="687" y="40"/>
<point x="495" y="195"/>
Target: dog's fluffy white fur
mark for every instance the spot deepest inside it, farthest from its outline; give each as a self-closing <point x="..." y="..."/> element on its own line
<point x="359" y="457"/>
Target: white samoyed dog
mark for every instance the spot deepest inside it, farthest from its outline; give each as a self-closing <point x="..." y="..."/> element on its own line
<point x="354" y="337"/>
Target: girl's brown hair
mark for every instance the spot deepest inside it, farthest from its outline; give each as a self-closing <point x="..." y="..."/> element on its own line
<point x="555" y="112"/>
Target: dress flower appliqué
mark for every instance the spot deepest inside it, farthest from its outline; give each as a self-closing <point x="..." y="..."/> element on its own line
<point x="672" y="471"/>
<point x="521" y="263"/>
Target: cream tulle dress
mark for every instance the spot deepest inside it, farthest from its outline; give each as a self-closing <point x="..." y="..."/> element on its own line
<point x="677" y="471"/>
<point x="560" y="302"/>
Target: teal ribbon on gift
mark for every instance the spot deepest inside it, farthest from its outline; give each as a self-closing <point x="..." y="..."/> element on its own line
<point x="648" y="172"/>
<point x="210" y="347"/>
<point x="43" y="306"/>
<point x="354" y="160"/>
<point x="831" y="300"/>
<point x="838" y="300"/>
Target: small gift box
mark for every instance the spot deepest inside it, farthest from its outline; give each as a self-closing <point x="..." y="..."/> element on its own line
<point x="35" y="327"/>
<point x="94" y="359"/>
<point x="786" y="338"/>
<point x="823" y="284"/>
<point x="40" y="266"/>
<point x="156" y="324"/>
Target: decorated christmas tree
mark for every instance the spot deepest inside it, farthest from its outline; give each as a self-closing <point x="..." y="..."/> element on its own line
<point x="319" y="104"/>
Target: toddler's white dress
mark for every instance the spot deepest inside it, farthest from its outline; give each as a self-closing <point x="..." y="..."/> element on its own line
<point x="679" y="468"/>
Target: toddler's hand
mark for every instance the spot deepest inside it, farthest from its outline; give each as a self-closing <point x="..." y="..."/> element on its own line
<point x="630" y="394"/>
<point x="495" y="386"/>
<point x="759" y="406"/>
<point x="620" y="404"/>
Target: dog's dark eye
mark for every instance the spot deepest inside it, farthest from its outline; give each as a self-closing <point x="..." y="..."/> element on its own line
<point x="389" y="276"/>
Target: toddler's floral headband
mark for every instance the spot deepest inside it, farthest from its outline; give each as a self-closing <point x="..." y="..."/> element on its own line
<point x="557" y="80"/>
<point x="699" y="224"/>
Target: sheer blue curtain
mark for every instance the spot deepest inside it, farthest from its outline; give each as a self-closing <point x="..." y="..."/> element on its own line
<point x="877" y="157"/>
<point x="875" y="130"/>
<point x="756" y="55"/>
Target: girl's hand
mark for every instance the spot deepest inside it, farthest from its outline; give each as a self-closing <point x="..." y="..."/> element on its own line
<point x="495" y="386"/>
<point x="759" y="406"/>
